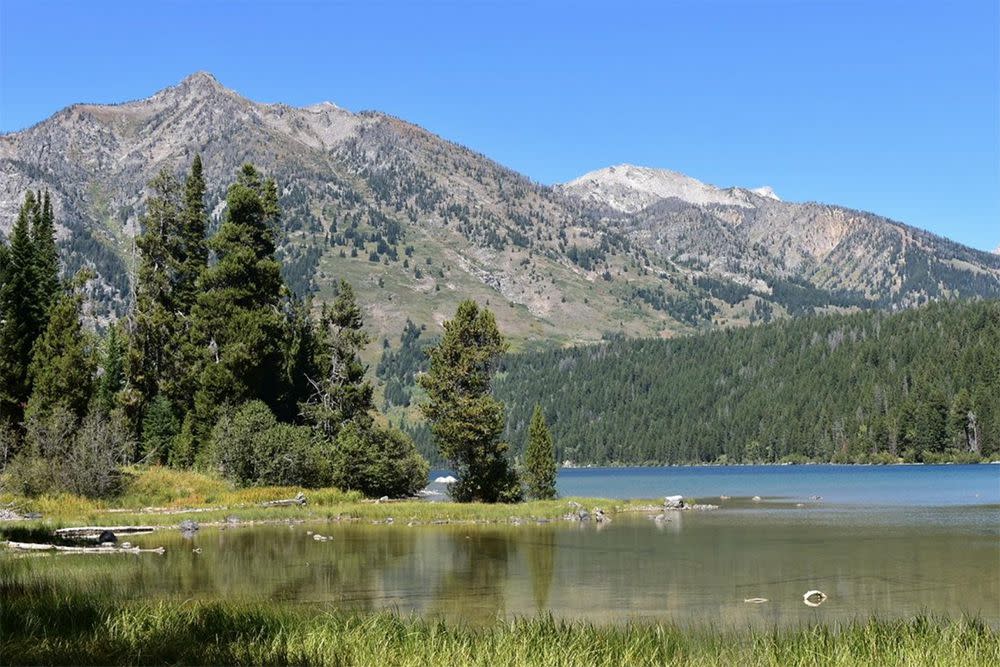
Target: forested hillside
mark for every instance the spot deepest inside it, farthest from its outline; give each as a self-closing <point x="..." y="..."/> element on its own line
<point x="920" y="385"/>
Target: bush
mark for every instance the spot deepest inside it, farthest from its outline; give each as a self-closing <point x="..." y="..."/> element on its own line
<point x="251" y="448"/>
<point x="378" y="462"/>
<point x="290" y="455"/>
<point x="61" y="456"/>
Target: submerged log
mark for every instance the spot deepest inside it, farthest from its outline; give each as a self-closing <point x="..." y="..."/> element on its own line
<point x="34" y="546"/>
<point x="96" y="531"/>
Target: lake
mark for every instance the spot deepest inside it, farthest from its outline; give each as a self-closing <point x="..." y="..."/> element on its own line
<point x="899" y="485"/>
<point x="888" y="540"/>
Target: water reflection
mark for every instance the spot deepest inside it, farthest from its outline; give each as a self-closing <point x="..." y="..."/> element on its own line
<point x="474" y="585"/>
<point x="694" y="568"/>
<point x="540" y="549"/>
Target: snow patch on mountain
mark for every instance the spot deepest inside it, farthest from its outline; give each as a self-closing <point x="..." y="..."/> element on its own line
<point x="629" y="188"/>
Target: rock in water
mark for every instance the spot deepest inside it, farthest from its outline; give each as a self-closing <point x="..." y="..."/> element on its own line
<point x="189" y="527"/>
<point x="106" y="536"/>
<point x="673" y="502"/>
<point x="814" y="598"/>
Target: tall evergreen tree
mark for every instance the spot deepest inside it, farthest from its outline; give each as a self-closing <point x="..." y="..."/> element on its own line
<point x="20" y="315"/>
<point x="539" y="459"/>
<point x="112" y="377"/>
<point x="193" y="251"/>
<point x="302" y="358"/>
<point x="62" y="366"/>
<point x="43" y="237"/>
<point x="466" y="420"/>
<point x="237" y="319"/>
<point x="154" y="323"/>
<point x="341" y="393"/>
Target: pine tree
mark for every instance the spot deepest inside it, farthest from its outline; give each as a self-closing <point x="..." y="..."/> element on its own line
<point x="112" y="377"/>
<point x="341" y="394"/>
<point x="20" y="315"/>
<point x="539" y="459"/>
<point x="62" y="366"/>
<point x="159" y="428"/>
<point x="193" y="251"/>
<point x="43" y="237"/>
<point x="237" y="320"/>
<point x="302" y="358"/>
<point x="154" y="324"/>
<point x="466" y="420"/>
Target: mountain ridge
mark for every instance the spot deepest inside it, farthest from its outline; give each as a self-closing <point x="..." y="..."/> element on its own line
<point x="418" y="222"/>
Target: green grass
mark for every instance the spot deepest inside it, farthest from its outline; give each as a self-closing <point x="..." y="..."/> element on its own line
<point x="207" y="499"/>
<point x="43" y="622"/>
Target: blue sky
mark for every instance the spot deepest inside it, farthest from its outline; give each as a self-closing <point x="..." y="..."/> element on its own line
<point x="888" y="106"/>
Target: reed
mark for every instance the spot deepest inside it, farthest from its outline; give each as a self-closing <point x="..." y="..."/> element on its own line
<point x="45" y="622"/>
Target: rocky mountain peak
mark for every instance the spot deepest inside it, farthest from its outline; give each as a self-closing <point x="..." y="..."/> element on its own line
<point x="418" y="223"/>
<point x="629" y="188"/>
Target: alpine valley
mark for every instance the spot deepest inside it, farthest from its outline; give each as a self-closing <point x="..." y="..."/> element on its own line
<point x="418" y="223"/>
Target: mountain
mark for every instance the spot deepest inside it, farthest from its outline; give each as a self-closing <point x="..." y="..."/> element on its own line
<point x="418" y="223"/>
<point x="629" y="189"/>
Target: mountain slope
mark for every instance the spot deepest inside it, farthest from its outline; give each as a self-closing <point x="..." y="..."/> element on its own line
<point x="417" y="223"/>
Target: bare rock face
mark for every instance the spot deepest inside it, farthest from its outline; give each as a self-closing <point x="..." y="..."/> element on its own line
<point x="418" y="223"/>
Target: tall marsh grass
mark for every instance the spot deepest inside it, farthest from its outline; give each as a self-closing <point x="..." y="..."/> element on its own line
<point x="44" y="622"/>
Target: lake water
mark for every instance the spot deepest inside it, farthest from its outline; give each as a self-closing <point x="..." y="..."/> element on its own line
<point x="892" y="541"/>
<point x="904" y="485"/>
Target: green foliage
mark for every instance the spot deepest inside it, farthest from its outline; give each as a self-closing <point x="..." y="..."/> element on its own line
<point x="28" y="287"/>
<point x="62" y="365"/>
<point x="861" y="387"/>
<point x="466" y="420"/>
<point x="163" y="358"/>
<point x="251" y="448"/>
<point x="539" y="472"/>
<point x="152" y="361"/>
<point x="192" y="251"/>
<point x="159" y="428"/>
<point x="237" y="320"/>
<point x="63" y="455"/>
<point x="341" y="394"/>
<point x="111" y="381"/>
<point x="399" y="368"/>
<point x="377" y="462"/>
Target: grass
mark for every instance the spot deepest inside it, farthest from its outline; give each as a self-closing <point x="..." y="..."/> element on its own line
<point x="208" y="499"/>
<point x="47" y="622"/>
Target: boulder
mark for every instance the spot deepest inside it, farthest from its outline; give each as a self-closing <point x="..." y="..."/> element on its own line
<point x="106" y="536"/>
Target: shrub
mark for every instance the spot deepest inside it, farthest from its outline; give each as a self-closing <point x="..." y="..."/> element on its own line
<point x="232" y="441"/>
<point x="61" y="456"/>
<point x="251" y="448"/>
<point x="290" y="455"/>
<point x="377" y="462"/>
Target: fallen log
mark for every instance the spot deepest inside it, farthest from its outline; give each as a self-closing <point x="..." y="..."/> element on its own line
<point x="165" y="510"/>
<point x="80" y="531"/>
<point x="299" y="499"/>
<point x="34" y="546"/>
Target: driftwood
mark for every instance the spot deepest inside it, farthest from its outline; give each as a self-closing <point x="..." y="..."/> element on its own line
<point x="82" y="531"/>
<point x="33" y="546"/>
<point x="299" y="499"/>
<point x="165" y="510"/>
